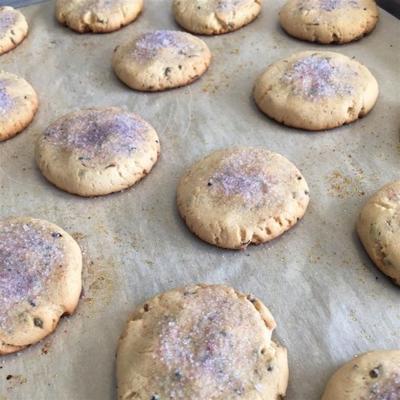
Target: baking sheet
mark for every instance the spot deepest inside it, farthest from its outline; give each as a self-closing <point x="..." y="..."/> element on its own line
<point x="329" y="301"/>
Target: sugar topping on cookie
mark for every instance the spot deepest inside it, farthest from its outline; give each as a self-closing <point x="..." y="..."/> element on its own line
<point x="28" y="255"/>
<point x="231" y="5"/>
<point x="388" y="389"/>
<point x="150" y="44"/>
<point x="241" y="174"/>
<point x="97" y="133"/>
<point x="203" y="344"/>
<point x="5" y="99"/>
<point x="8" y="18"/>
<point x="327" y="5"/>
<point x="315" y="77"/>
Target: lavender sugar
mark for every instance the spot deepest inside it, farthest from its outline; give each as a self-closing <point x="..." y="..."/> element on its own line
<point x="7" y="21"/>
<point x="242" y="174"/>
<point x="28" y="255"/>
<point x="203" y="346"/>
<point x="315" y="77"/>
<point x="149" y="45"/>
<point x="97" y="134"/>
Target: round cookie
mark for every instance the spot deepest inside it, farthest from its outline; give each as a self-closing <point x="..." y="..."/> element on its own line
<point x="240" y="196"/>
<point x="378" y="227"/>
<point x="161" y="60"/>
<point x="316" y="90"/>
<point x="13" y="28"/>
<point x="97" y="151"/>
<point x="40" y="280"/>
<point x="213" y="17"/>
<point x="329" y="21"/>
<point x="97" y="16"/>
<point x="201" y="342"/>
<point x="370" y="376"/>
<point x="18" y="104"/>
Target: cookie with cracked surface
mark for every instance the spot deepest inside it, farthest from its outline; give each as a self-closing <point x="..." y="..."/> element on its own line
<point x="40" y="280"/>
<point x="370" y="376"/>
<point x="240" y="196"/>
<point x="161" y="60"/>
<point x="201" y="342"/>
<point x="213" y="17"/>
<point x="329" y="21"/>
<point x="378" y="227"/>
<point x="18" y="105"/>
<point x="98" y="16"/>
<point x="316" y="90"/>
<point x="13" y="28"/>
<point x="97" y="151"/>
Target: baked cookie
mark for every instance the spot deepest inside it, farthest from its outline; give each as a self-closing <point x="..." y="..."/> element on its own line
<point x="18" y="104"/>
<point x="13" y="28"/>
<point x="201" y="342"/>
<point x="329" y="21"/>
<point x="97" y="151"/>
<point x="213" y="17"/>
<point x="161" y="60"/>
<point x="40" y="280"/>
<point x="378" y="227"/>
<point x="97" y="16"/>
<point x="240" y="196"/>
<point x="316" y="90"/>
<point x="370" y="376"/>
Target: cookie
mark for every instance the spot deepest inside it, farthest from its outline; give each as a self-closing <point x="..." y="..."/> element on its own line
<point x="240" y="196"/>
<point x="18" y="104"/>
<point x="329" y="21"/>
<point x="40" y="280"/>
<point x="378" y="227"/>
<point x="13" y="28"/>
<point x="97" y="151"/>
<point x="201" y="342"/>
<point x="370" y="376"/>
<point x="213" y="17"/>
<point x="99" y="16"/>
<point x="161" y="60"/>
<point x="316" y="90"/>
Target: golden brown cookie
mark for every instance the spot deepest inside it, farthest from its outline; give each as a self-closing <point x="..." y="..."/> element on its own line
<point x="213" y="17"/>
<point x="240" y="196"/>
<point x="378" y="227"/>
<point x="161" y="60"/>
<point x="370" y="376"/>
<point x="316" y="90"/>
<point x="201" y="342"/>
<point x="329" y="21"/>
<point x="40" y="280"/>
<point x="97" y="16"/>
<point x="18" y="105"/>
<point x="97" y="151"/>
<point x="13" y="28"/>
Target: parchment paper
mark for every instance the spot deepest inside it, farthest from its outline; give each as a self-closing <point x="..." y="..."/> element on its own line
<point x="329" y="300"/>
